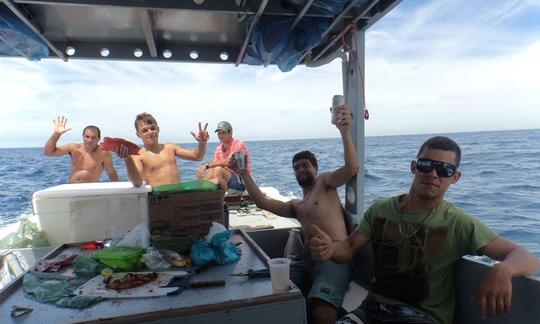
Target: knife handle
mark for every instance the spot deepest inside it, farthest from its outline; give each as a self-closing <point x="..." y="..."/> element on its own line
<point x="206" y="283"/>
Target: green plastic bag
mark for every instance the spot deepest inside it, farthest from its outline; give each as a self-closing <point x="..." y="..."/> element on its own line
<point x="125" y="258"/>
<point x="188" y="186"/>
<point x="58" y="289"/>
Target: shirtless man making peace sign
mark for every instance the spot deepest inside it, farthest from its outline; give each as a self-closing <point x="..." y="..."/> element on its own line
<point x="156" y="163"/>
<point x="87" y="159"/>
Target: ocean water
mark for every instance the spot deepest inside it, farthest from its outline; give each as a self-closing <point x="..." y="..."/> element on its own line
<point x="500" y="183"/>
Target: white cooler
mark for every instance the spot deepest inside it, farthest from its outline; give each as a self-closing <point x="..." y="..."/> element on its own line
<point x="82" y="212"/>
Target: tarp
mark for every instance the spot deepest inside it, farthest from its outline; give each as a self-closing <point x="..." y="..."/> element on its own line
<point x="17" y="39"/>
<point x="272" y="41"/>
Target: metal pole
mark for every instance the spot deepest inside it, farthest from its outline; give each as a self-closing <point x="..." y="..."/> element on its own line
<point x="353" y="74"/>
<point x="251" y="28"/>
<point x="302" y="13"/>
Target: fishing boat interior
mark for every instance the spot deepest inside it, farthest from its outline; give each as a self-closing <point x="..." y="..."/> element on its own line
<point x="285" y="33"/>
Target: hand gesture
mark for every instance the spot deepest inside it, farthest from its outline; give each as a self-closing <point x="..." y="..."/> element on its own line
<point x="320" y="244"/>
<point x="495" y="292"/>
<point x="122" y="151"/>
<point x="203" y="136"/>
<point x="343" y="118"/>
<point x="60" y="125"/>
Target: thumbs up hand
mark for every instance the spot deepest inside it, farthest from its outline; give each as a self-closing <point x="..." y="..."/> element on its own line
<point x="320" y="244"/>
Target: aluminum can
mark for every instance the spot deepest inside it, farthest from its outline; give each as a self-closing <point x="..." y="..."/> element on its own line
<point x="337" y="100"/>
<point x="240" y="159"/>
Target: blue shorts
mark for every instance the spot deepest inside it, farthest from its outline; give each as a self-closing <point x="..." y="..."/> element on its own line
<point x="327" y="280"/>
<point x="236" y="183"/>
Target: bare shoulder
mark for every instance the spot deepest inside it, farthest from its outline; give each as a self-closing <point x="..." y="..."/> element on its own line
<point x="296" y="205"/>
<point x="175" y="149"/>
<point x="72" y="147"/>
<point x="170" y="145"/>
<point x="322" y="179"/>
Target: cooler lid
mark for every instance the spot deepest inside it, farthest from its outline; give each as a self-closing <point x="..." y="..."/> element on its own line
<point x="91" y="189"/>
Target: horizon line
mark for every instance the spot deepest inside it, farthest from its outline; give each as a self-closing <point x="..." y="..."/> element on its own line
<point x="316" y="138"/>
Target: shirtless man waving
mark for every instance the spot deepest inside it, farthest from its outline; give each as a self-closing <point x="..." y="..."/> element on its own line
<point x="156" y="163"/>
<point x="87" y="159"/>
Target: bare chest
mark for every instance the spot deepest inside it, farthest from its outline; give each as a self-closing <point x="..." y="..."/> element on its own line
<point x="83" y="160"/>
<point x="156" y="161"/>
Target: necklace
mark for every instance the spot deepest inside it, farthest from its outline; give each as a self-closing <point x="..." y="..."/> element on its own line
<point x="415" y="230"/>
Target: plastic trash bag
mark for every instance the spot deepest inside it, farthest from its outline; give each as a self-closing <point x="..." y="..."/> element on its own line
<point x="202" y="253"/>
<point x="58" y="289"/>
<point x="219" y="250"/>
<point x="154" y="260"/>
<point x="216" y="228"/>
<point x="27" y="235"/>
<point x="225" y="251"/>
<point x="139" y="236"/>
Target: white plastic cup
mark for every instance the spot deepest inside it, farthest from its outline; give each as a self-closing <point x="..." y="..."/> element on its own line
<point x="337" y="100"/>
<point x="279" y="274"/>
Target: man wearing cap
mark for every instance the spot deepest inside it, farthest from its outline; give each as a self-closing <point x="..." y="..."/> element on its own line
<point x="217" y="171"/>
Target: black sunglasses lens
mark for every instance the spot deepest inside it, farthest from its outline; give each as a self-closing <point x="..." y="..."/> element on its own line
<point x="443" y="169"/>
<point x="424" y="166"/>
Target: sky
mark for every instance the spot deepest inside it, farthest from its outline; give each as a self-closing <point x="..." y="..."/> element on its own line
<point x="431" y="67"/>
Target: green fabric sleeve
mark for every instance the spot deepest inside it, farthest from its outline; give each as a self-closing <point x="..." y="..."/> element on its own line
<point x="471" y="234"/>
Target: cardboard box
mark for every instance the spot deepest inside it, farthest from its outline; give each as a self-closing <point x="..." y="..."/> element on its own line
<point x="184" y="214"/>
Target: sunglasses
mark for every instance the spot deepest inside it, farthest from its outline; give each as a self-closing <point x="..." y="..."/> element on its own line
<point x="443" y="169"/>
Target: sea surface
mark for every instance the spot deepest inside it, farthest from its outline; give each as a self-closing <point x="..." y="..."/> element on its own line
<point x="500" y="183"/>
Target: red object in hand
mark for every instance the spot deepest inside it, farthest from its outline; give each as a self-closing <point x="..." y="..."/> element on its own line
<point x="110" y="144"/>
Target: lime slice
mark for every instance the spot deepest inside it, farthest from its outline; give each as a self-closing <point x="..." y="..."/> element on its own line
<point x="107" y="272"/>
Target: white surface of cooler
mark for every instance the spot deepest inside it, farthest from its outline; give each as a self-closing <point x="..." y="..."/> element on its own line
<point x="81" y="212"/>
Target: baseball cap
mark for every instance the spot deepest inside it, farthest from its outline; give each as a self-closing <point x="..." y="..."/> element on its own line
<point x="224" y="126"/>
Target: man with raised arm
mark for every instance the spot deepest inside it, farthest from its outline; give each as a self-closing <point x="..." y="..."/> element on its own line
<point x="417" y="239"/>
<point x="324" y="283"/>
<point x="156" y="163"/>
<point x="87" y="159"/>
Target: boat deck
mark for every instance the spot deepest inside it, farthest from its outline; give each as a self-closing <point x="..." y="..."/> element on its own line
<point x="240" y="300"/>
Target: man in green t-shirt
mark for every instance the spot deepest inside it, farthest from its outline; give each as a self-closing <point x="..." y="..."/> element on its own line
<point x="417" y="239"/>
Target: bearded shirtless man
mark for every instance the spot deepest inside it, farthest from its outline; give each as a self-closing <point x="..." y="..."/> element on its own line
<point x="87" y="159"/>
<point x="156" y="163"/>
<point x="323" y="283"/>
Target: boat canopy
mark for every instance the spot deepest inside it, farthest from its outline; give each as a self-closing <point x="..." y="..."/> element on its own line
<point x="259" y="32"/>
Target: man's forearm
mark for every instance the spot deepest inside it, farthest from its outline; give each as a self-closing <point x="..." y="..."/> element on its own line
<point x="254" y="192"/>
<point x="113" y="176"/>
<point x="221" y="163"/>
<point x="342" y="251"/>
<point x="133" y="172"/>
<point x="200" y="151"/>
<point x="50" y="146"/>
<point x="521" y="262"/>
<point x="277" y="207"/>
<point x="349" y="152"/>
